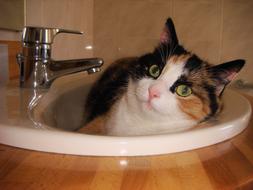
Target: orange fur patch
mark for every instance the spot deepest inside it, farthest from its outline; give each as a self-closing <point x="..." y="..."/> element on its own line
<point x="194" y="107"/>
<point x="179" y="59"/>
<point x="95" y="127"/>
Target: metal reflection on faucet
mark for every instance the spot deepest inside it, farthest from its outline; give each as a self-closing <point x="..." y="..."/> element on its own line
<point x="37" y="68"/>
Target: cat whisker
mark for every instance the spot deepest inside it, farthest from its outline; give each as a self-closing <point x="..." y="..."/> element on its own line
<point x="167" y="52"/>
<point x="161" y="52"/>
<point x="172" y="50"/>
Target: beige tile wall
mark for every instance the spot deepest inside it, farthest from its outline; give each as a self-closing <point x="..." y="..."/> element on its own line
<point x="237" y="33"/>
<point x="67" y="14"/>
<point x="12" y="14"/>
<point x="216" y="30"/>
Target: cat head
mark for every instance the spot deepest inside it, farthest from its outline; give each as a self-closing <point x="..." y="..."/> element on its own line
<point x="179" y="84"/>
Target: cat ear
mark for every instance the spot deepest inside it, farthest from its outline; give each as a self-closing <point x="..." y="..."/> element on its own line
<point x="224" y="73"/>
<point x="169" y="35"/>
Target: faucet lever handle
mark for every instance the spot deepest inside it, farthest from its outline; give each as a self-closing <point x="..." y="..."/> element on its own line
<point x="41" y="35"/>
<point x="57" y="31"/>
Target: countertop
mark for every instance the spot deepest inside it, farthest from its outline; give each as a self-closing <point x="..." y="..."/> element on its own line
<point x="227" y="165"/>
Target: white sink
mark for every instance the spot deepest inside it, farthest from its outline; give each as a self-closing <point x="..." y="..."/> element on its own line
<point x="50" y="125"/>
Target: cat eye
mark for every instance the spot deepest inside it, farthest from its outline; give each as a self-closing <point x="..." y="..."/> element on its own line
<point x="154" y="71"/>
<point x="183" y="90"/>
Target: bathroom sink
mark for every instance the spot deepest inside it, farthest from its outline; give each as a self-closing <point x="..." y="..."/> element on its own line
<point x="52" y="123"/>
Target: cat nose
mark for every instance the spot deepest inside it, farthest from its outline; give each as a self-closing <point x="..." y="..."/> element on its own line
<point x="153" y="92"/>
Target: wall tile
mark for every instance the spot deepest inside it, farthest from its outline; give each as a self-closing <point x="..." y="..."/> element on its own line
<point x="198" y="25"/>
<point x="237" y="39"/>
<point x="106" y="22"/>
<point x="136" y="46"/>
<point x="33" y="13"/>
<point x="143" y="18"/>
<point x="107" y="49"/>
<point x="67" y="14"/>
<point x="134" y="26"/>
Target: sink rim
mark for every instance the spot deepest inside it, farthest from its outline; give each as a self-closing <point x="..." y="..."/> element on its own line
<point x="58" y="141"/>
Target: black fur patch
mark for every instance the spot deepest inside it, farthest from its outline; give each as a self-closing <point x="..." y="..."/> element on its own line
<point x="214" y="106"/>
<point x="193" y="63"/>
<point x="109" y="88"/>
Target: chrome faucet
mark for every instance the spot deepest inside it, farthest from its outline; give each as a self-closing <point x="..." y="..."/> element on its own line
<point x="37" y="68"/>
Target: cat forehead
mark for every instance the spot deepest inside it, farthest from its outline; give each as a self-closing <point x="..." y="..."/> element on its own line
<point x="175" y="67"/>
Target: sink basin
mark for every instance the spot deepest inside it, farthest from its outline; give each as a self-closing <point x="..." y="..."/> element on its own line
<point x="50" y="126"/>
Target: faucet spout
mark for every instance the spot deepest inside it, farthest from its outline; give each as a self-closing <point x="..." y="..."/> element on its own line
<point x="65" y="67"/>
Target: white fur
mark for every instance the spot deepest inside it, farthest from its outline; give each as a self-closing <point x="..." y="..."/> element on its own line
<point x="135" y="114"/>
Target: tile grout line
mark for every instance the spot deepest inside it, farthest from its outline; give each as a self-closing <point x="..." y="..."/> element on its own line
<point x="172" y="8"/>
<point x="221" y="30"/>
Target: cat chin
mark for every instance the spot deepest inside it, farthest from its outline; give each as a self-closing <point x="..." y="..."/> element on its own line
<point x="151" y="107"/>
<point x="146" y="128"/>
<point x="161" y="107"/>
<point x="146" y="106"/>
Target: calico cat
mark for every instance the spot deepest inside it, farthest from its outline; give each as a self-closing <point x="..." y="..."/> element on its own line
<point x="168" y="90"/>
